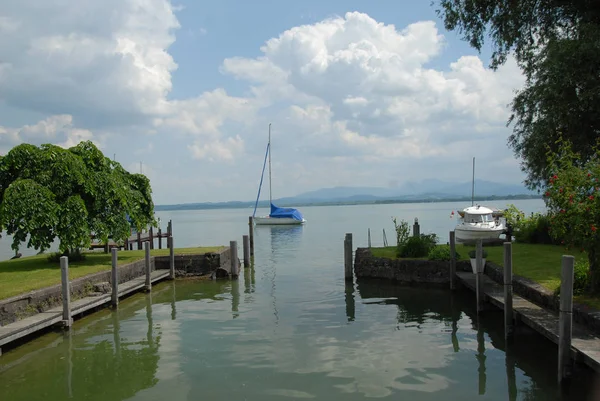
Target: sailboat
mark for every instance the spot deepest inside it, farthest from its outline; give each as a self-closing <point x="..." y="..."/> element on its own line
<point x="278" y="215"/>
<point x="478" y="222"/>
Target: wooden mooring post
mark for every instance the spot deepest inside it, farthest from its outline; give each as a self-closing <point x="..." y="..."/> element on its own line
<point x="251" y="232"/>
<point x="114" y="278"/>
<point x="234" y="258"/>
<point x="170" y="229"/>
<point x="147" y="266"/>
<point x="452" y="260"/>
<point x="479" y="275"/>
<point x="159" y="238"/>
<point x="416" y="228"/>
<point x="246" y="243"/>
<point x="151" y="237"/>
<point x="565" y="318"/>
<point x="369" y="235"/>
<point x="66" y="291"/>
<point x="508" y="293"/>
<point x="171" y="258"/>
<point x="348" y="257"/>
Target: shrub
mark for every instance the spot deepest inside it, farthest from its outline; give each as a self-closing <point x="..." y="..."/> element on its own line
<point x="417" y="247"/>
<point x="473" y="253"/>
<point x="534" y="230"/>
<point x="581" y="278"/>
<point x="402" y="231"/>
<point x="74" y="256"/>
<point x="441" y="252"/>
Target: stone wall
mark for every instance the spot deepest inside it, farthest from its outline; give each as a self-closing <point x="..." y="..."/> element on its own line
<point x="198" y="265"/>
<point x="18" y="307"/>
<point x="405" y="271"/>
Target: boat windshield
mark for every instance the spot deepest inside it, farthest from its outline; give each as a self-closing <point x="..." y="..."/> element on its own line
<point x="479" y="218"/>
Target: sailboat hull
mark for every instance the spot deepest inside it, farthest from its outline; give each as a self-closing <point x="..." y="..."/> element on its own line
<point x="277" y="221"/>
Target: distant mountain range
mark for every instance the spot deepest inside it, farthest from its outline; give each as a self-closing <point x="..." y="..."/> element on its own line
<point x="424" y="191"/>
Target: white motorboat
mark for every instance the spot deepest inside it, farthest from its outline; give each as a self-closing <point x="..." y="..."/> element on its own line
<point x="278" y="215"/>
<point x="478" y="223"/>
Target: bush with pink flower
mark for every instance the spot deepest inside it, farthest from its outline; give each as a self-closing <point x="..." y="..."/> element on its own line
<point x="573" y="200"/>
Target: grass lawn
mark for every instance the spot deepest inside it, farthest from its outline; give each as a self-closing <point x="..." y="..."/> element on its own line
<point x="540" y="263"/>
<point x="22" y="275"/>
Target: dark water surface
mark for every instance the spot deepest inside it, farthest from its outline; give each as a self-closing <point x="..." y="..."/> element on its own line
<point x="288" y="329"/>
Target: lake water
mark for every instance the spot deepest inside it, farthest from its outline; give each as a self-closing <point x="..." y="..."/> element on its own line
<point x="290" y="328"/>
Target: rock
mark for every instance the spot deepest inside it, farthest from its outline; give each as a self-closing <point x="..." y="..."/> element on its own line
<point x="103" y="288"/>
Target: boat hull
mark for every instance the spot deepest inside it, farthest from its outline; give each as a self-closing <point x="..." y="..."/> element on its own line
<point x="277" y="221"/>
<point x="470" y="233"/>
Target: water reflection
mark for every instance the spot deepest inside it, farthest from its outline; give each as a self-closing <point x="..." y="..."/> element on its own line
<point x="284" y="236"/>
<point x="205" y="339"/>
<point x="511" y="376"/>
<point x="235" y="298"/>
<point x="481" y="360"/>
<point x="350" y="304"/>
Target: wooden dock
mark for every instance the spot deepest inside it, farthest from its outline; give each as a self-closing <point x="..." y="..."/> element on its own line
<point x="29" y="325"/>
<point x="585" y="345"/>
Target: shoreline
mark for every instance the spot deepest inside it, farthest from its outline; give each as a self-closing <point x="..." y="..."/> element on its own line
<point x="382" y="201"/>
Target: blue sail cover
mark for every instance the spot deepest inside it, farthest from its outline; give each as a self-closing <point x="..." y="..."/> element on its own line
<point x="285" y="212"/>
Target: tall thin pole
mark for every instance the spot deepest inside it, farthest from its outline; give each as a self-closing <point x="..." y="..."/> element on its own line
<point x="270" y="196"/>
<point x="473" y="185"/>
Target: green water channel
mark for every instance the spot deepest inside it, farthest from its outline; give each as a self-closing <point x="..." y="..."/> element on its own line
<point x="238" y="340"/>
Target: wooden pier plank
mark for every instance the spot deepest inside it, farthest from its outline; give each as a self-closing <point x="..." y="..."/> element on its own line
<point x="585" y="346"/>
<point x="31" y="324"/>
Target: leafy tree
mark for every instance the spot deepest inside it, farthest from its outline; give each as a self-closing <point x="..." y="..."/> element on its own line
<point x="557" y="45"/>
<point x="48" y="192"/>
<point x="573" y="198"/>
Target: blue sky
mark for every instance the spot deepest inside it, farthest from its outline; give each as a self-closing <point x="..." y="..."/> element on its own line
<point x="359" y="93"/>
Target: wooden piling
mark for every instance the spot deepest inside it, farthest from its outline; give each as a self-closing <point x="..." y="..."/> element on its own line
<point x="251" y="232"/>
<point x="151" y="237"/>
<point x="159" y="238"/>
<point x="234" y="258"/>
<point x="369" y="235"/>
<point x="171" y="258"/>
<point x="114" y="277"/>
<point x="479" y="275"/>
<point x="66" y="291"/>
<point x="565" y="318"/>
<point x="416" y="228"/>
<point x="246" y="242"/>
<point x="147" y="266"/>
<point x="348" y="257"/>
<point x="452" y="260"/>
<point x="508" y="293"/>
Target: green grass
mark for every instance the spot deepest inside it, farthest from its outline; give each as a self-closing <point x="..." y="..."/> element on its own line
<point x="540" y="263"/>
<point x="388" y="252"/>
<point x="22" y="275"/>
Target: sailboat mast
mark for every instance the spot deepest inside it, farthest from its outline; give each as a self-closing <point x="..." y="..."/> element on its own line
<point x="270" y="196"/>
<point x="473" y="185"/>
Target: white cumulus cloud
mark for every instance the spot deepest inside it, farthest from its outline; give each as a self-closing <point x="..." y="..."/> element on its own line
<point x="351" y="96"/>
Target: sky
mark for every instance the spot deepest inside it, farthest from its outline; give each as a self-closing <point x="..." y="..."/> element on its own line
<point x="357" y="93"/>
